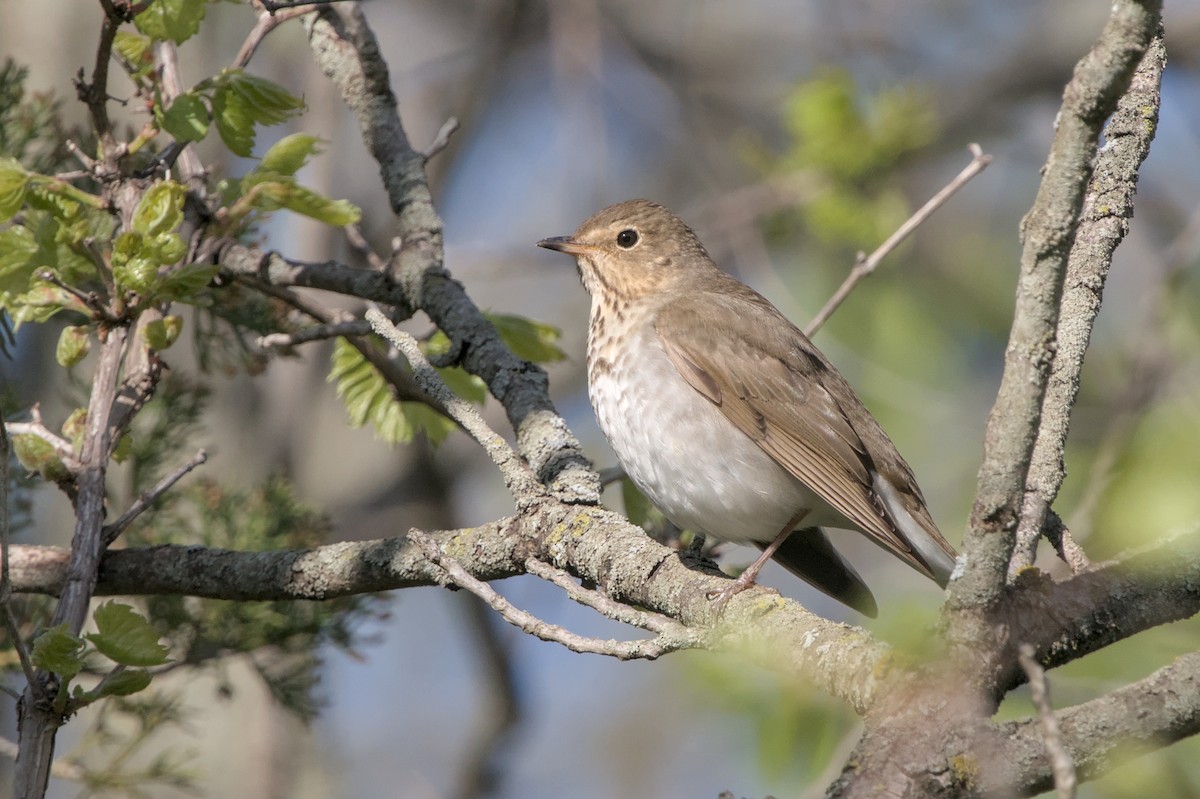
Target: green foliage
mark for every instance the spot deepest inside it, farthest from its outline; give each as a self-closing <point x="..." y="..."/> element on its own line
<point x="173" y="20"/>
<point x="38" y="456"/>
<point x="73" y="345"/>
<point x="848" y="146"/>
<point x="370" y="399"/>
<point x="59" y="651"/>
<point x="187" y="119"/>
<point x="283" y="638"/>
<point x="241" y="101"/>
<point x="31" y="129"/>
<point x="125" y="637"/>
<point x="528" y="339"/>
<point x="14" y="180"/>
<point x="272" y="184"/>
<point x="162" y="333"/>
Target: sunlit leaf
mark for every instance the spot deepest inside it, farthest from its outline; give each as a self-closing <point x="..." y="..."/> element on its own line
<point x="59" y="651"/>
<point x="533" y="341"/>
<point x="289" y="154"/>
<point x="174" y="20"/>
<point x="125" y="637"/>
<point x="187" y="118"/>
<point x="162" y="333"/>
<point x="73" y="345"/>
<point x="14" y="180"/>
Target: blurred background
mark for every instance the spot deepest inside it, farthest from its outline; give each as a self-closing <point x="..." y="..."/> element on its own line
<point x="790" y="136"/>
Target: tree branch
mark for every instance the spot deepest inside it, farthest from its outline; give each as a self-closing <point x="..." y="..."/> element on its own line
<point x="1048" y="232"/>
<point x="1100" y="734"/>
<point x="347" y="52"/>
<point x="1061" y="765"/>
<point x="1104" y="221"/>
<point x="866" y="264"/>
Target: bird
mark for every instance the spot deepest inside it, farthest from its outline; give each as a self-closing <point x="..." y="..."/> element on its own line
<point x="729" y="419"/>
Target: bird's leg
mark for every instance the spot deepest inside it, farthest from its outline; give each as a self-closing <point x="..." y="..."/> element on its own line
<point x="750" y="576"/>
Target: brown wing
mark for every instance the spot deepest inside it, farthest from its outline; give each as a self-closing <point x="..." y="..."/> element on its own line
<point x="779" y="390"/>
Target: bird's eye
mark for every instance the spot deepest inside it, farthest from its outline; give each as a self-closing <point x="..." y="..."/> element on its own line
<point x="627" y="238"/>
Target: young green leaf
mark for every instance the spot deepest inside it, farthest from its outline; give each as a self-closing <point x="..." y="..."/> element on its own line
<point x="367" y="396"/>
<point x="132" y="47"/>
<point x="125" y="637"/>
<point x="241" y="101"/>
<point x="124" y="683"/>
<point x="160" y="210"/>
<point x="286" y="193"/>
<point x="176" y="20"/>
<point x="162" y="333"/>
<point x="186" y="119"/>
<point x="14" y="180"/>
<point x="533" y="341"/>
<point x="73" y="344"/>
<point x="289" y="154"/>
<point x="38" y="456"/>
<point x="59" y="651"/>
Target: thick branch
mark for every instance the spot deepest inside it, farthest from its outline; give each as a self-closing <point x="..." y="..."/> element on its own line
<point x="1100" y="734"/>
<point x="1104" y="221"/>
<point x="1048" y="232"/>
<point x="347" y="52"/>
<point x="600" y="546"/>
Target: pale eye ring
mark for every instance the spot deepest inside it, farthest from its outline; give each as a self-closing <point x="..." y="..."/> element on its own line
<point x="627" y="238"/>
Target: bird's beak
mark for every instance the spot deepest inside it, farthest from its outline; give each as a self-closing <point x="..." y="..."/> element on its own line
<point x="566" y="244"/>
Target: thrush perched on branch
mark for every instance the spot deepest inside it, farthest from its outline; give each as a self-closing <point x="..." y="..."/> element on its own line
<point x="728" y="418"/>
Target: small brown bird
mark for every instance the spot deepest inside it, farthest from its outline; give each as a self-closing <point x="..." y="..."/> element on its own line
<point x="728" y="418"/>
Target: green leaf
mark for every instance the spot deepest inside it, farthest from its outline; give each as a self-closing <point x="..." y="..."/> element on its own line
<point x="124" y="683"/>
<point x="241" y="101"/>
<point x="289" y="154"/>
<point x="186" y="282"/>
<point x="38" y="456"/>
<point x="160" y="210"/>
<point x="132" y="47"/>
<point x="533" y="341"/>
<point x="187" y="118"/>
<point x="367" y="396"/>
<point x="14" y="180"/>
<point x="176" y="20"/>
<point x="73" y="344"/>
<point x="286" y="193"/>
<point x="464" y="384"/>
<point x="59" y="651"/>
<point x="125" y="637"/>
<point x="74" y="427"/>
<point x="435" y="426"/>
<point x="162" y="333"/>
<point x="17" y="250"/>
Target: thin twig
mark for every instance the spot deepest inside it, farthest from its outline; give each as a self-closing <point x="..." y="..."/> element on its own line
<point x="598" y="601"/>
<point x="268" y="20"/>
<point x="865" y="265"/>
<point x="349" y="327"/>
<point x="143" y="502"/>
<point x="89" y="299"/>
<point x="1039" y="690"/>
<point x="62" y="447"/>
<point x="442" y="139"/>
<point x="647" y="649"/>
<point x="358" y="241"/>
<point x="521" y="481"/>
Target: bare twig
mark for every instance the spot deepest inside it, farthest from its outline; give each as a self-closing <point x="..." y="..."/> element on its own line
<point x="598" y="601"/>
<point x="647" y="649"/>
<point x="358" y="241"/>
<point x="442" y="139"/>
<point x="866" y="264"/>
<point x="1048" y="230"/>
<point x="268" y="20"/>
<point x="521" y="481"/>
<point x="350" y="327"/>
<point x="88" y="299"/>
<point x="1060" y="759"/>
<point x="143" y="502"/>
<point x="62" y="447"/>
<point x="1103" y="223"/>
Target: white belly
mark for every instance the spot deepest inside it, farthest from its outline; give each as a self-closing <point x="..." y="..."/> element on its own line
<point x="688" y="459"/>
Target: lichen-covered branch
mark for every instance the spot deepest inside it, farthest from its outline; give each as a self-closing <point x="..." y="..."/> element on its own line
<point x="1104" y="221"/>
<point x="1048" y="232"/>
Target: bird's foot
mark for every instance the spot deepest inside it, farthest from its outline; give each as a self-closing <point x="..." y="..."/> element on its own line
<point x="721" y="598"/>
